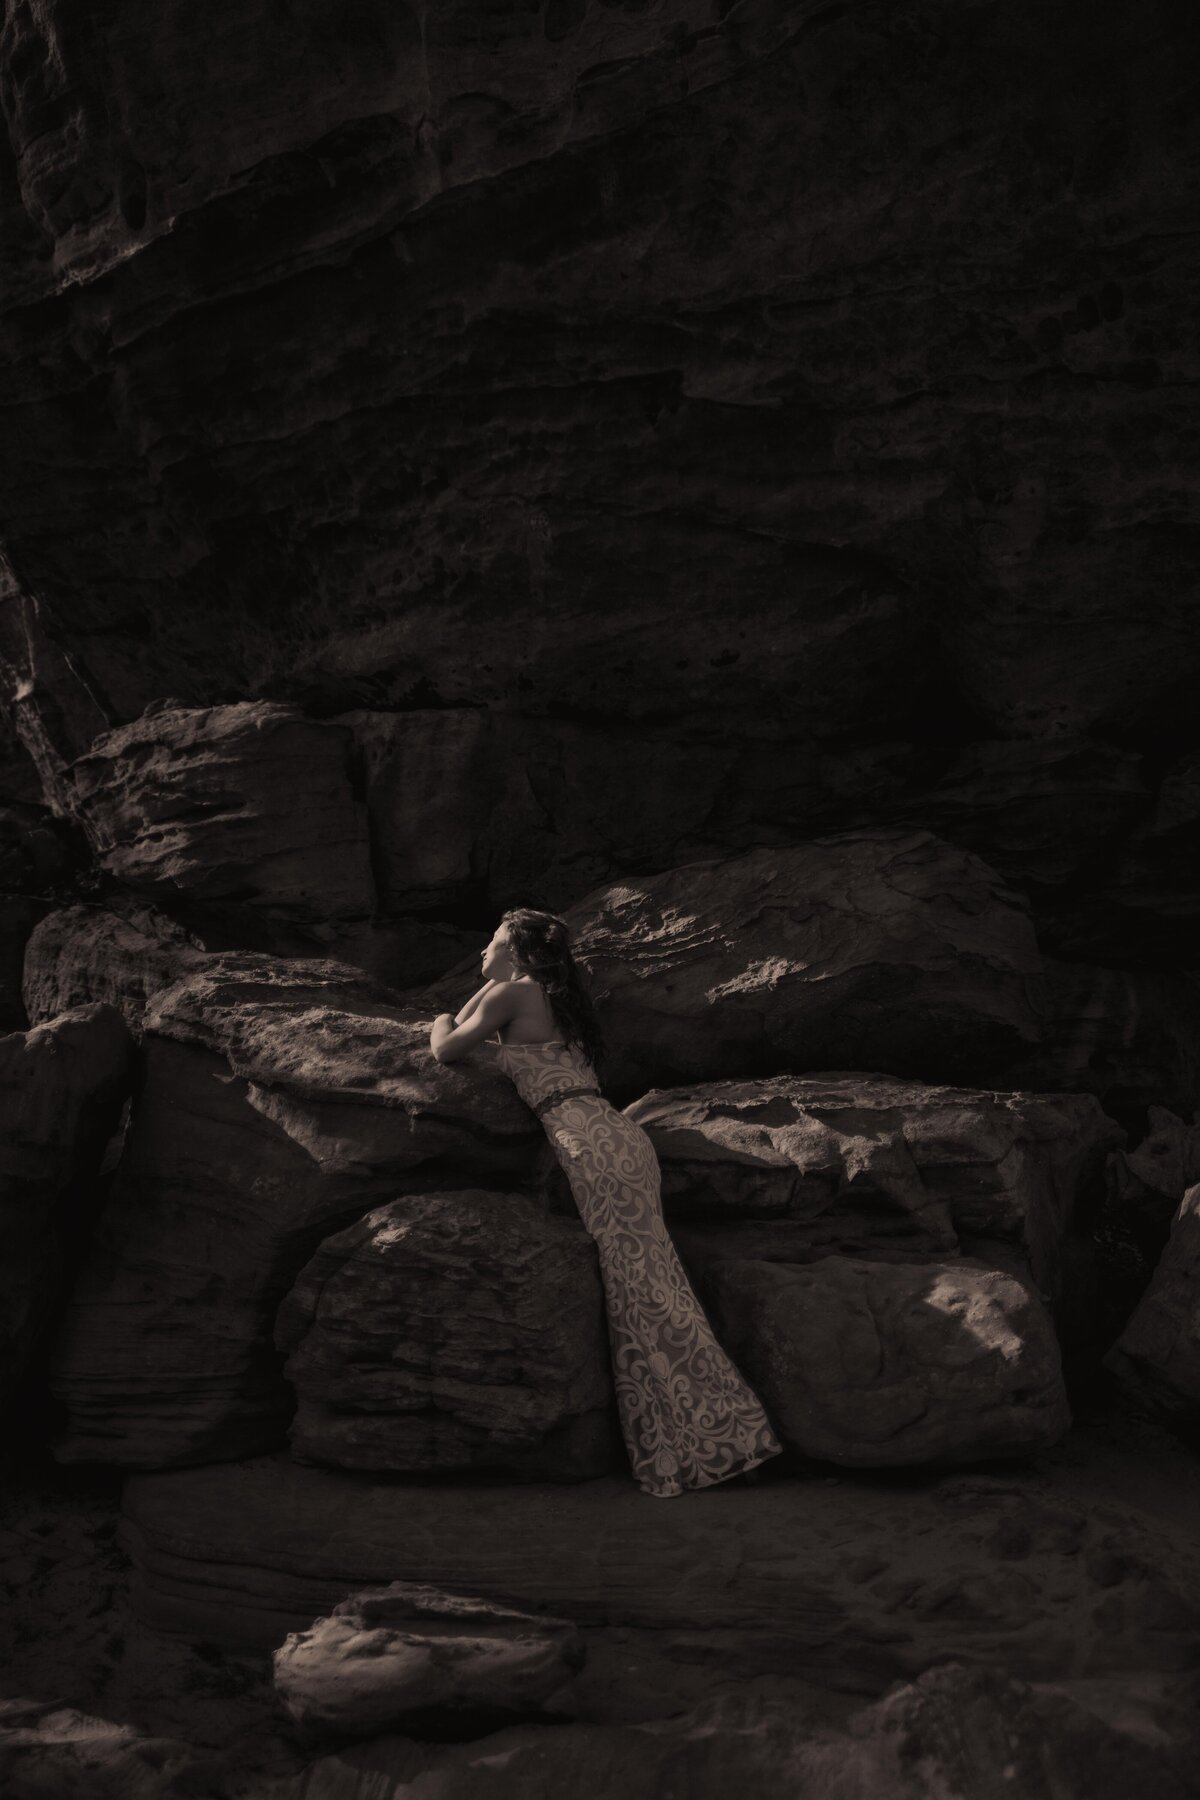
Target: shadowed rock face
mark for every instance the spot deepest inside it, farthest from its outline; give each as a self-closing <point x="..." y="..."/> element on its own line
<point x="278" y="1102"/>
<point x="1158" y="1353"/>
<point x="876" y="1365"/>
<point x="62" y="1086"/>
<point x="956" y="1730"/>
<point x="854" y="314"/>
<point x="250" y="802"/>
<point x="452" y="1331"/>
<point x="852" y="1584"/>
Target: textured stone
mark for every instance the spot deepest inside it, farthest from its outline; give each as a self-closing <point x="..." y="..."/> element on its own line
<point x="84" y="953"/>
<point x="280" y="1100"/>
<point x="126" y="950"/>
<point x="1149" y="1182"/>
<point x="956" y="1731"/>
<point x="863" y="1162"/>
<point x="878" y="949"/>
<point x="413" y="1658"/>
<point x="62" y="1087"/>
<point x="1039" y="811"/>
<point x="1066" y="1570"/>
<point x="251" y="802"/>
<point x="452" y="1331"/>
<point x="586" y="385"/>
<point x="1159" y="1350"/>
<point x="1130" y="1036"/>
<point x="54" y="1752"/>
<point x="875" y="1365"/>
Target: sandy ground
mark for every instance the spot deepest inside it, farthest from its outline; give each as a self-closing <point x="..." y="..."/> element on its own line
<point x="68" y="1633"/>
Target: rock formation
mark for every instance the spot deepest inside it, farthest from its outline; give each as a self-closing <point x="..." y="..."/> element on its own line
<point x="725" y="473"/>
<point x="279" y="1101"/>
<point x="452" y="1331"/>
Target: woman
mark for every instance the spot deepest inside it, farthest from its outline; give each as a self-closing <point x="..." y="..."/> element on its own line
<point x="688" y="1417"/>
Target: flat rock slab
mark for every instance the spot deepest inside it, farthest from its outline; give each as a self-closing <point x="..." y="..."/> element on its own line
<point x="880" y="1364"/>
<point x="1050" y="1571"/>
<point x="280" y="1101"/>
<point x="411" y="1658"/>
<point x="250" y="801"/>
<point x="453" y="1331"/>
<point x="863" y="1161"/>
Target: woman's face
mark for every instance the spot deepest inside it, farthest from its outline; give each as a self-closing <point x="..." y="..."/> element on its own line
<point x="497" y="961"/>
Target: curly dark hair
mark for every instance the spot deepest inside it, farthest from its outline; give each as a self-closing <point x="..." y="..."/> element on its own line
<point x="541" y="947"/>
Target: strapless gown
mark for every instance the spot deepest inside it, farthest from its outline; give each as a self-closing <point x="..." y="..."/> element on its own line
<point x="688" y="1417"/>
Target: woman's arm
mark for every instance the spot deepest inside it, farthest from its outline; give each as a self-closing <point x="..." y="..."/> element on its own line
<point x="449" y="1042"/>
<point x="468" y="1006"/>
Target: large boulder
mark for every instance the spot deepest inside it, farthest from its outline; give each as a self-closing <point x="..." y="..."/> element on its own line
<point x="857" y="1163"/>
<point x="249" y="802"/>
<point x="453" y="1331"/>
<point x="279" y="1102"/>
<point x="62" y="1088"/>
<point x="876" y="949"/>
<point x="876" y="1365"/>
<point x="413" y="1658"/>
<point x="1158" y="1353"/>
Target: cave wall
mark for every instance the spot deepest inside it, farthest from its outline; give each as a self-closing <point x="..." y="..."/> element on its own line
<point x="792" y="397"/>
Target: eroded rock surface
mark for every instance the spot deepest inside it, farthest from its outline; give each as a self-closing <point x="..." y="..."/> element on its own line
<point x="414" y="1658"/>
<point x="860" y="1162"/>
<point x="84" y="953"/>
<point x="279" y="1101"/>
<point x="62" y="1087"/>
<point x="250" y="801"/>
<point x="453" y="1331"/>
<point x="878" y="1364"/>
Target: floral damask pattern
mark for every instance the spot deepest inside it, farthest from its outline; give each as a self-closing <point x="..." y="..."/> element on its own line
<point x="688" y="1417"/>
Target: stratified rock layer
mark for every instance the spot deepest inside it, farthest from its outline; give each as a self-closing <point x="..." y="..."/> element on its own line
<point x="251" y="802"/>
<point x="279" y="1102"/>
<point x="879" y="1364"/>
<point x="858" y="1162"/>
<point x="452" y="1331"/>
<point x="84" y="953"/>
<point x="1050" y="1572"/>
<point x="62" y="1086"/>
<point x="405" y="1657"/>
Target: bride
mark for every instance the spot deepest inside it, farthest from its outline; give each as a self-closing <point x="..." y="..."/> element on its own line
<point x="688" y="1417"/>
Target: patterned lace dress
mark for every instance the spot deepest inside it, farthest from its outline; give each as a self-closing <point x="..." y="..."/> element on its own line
<point x="688" y="1417"/>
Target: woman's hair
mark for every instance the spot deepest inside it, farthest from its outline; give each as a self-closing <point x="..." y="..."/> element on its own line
<point x="541" y="947"/>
